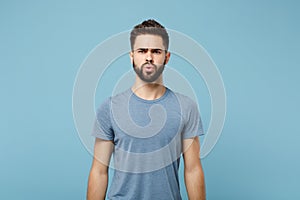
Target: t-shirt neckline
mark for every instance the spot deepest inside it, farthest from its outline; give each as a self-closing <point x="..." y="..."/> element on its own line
<point x="149" y="101"/>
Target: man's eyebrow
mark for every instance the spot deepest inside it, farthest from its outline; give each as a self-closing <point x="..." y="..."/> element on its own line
<point x="142" y="49"/>
<point x="150" y="49"/>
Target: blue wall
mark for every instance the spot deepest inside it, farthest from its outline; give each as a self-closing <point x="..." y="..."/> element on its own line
<point x="255" y="45"/>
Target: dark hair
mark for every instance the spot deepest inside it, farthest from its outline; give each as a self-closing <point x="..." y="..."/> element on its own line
<point x="149" y="27"/>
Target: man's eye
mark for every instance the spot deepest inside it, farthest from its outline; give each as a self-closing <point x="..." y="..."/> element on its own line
<point x="142" y="51"/>
<point x="156" y="51"/>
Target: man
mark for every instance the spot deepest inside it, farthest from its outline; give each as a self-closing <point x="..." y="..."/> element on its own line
<point x="146" y="128"/>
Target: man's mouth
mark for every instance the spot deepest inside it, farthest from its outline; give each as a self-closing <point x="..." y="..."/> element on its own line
<point x="149" y="68"/>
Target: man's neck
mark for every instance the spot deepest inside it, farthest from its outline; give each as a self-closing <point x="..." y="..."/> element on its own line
<point x="149" y="91"/>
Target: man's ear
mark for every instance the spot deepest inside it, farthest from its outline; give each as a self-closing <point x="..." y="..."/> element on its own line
<point x="168" y="55"/>
<point x="131" y="56"/>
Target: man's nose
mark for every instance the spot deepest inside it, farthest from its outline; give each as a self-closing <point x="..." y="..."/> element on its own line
<point x="149" y="57"/>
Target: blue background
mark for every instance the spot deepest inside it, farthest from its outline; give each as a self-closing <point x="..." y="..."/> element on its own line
<point x="255" y="45"/>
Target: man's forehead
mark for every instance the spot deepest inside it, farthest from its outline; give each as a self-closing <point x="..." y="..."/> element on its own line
<point x="148" y="41"/>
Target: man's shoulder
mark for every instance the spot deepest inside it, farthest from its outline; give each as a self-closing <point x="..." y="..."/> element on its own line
<point x="184" y="100"/>
<point x="121" y="96"/>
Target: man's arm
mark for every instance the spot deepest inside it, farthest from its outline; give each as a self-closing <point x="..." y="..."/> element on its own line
<point x="98" y="179"/>
<point x="193" y="173"/>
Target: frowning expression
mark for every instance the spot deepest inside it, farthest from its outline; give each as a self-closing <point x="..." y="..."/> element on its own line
<point x="149" y="57"/>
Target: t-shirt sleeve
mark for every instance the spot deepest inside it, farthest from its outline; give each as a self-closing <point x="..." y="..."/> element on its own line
<point x="103" y="126"/>
<point x="193" y="124"/>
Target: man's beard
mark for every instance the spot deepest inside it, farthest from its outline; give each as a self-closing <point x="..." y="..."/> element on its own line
<point x="149" y="78"/>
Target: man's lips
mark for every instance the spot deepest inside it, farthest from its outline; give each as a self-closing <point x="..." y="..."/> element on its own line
<point x="149" y="68"/>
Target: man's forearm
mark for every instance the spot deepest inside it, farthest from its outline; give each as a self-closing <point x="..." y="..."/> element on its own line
<point x="195" y="184"/>
<point x="97" y="185"/>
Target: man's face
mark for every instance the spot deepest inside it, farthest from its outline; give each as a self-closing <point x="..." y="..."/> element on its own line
<point x="149" y="57"/>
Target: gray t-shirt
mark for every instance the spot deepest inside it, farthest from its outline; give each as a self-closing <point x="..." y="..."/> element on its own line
<point x="148" y="136"/>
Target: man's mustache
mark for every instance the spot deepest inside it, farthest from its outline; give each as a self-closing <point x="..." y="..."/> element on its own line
<point x="148" y="63"/>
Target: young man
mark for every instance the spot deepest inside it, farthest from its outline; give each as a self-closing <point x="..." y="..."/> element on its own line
<point x="146" y="129"/>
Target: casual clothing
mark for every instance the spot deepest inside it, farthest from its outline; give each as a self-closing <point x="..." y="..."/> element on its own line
<point x="147" y="135"/>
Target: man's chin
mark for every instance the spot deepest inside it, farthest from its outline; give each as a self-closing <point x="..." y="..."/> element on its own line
<point x="150" y="81"/>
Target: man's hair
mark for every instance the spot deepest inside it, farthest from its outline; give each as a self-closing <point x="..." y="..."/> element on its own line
<point x="151" y="27"/>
